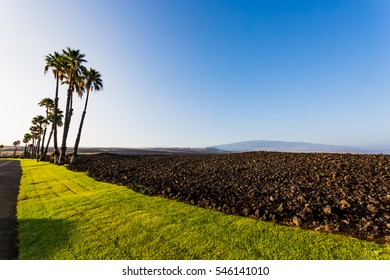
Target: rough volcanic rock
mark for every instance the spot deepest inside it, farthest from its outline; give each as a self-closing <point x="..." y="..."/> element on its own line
<point x="341" y="193"/>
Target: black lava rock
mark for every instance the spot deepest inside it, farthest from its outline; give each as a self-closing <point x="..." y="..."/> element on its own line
<point x="341" y="193"/>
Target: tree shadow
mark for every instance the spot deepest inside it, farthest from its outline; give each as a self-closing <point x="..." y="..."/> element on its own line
<point x="8" y="239"/>
<point x="42" y="238"/>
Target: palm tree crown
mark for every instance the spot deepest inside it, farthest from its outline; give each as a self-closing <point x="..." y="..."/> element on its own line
<point x="73" y="59"/>
<point x="55" y="62"/>
<point x="48" y="103"/>
<point x="93" y="80"/>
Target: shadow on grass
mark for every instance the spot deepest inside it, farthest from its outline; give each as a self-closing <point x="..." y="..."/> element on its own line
<point x="8" y="243"/>
<point x="42" y="238"/>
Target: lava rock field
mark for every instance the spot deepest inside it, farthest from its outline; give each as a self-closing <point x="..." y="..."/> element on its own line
<point x="338" y="193"/>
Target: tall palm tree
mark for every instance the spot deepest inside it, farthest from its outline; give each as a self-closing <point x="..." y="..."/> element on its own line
<point x="73" y="60"/>
<point x="59" y="124"/>
<point x="1" y="148"/>
<point x="48" y="103"/>
<point x="27" y="138"/>
<point x="16" y="144"/>
<point x="56" y="63"/>
<point x="92" y="82"/>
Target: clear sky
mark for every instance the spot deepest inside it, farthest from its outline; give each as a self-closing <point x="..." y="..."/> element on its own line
<point x="194" y="73"/>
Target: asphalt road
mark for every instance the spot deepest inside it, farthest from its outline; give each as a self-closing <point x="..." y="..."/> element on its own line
<point x="10" y="173"/>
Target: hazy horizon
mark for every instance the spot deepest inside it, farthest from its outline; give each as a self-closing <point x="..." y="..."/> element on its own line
<point x="273" y="143"/>
<point x="198" y="73"/>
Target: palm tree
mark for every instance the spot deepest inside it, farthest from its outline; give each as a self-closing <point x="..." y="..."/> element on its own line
<point x="92" y="82"/>
<point x="48" y="104"/>
<point x="73" y="60"/>
<point x="34" y="136"/>
<point x="59" y="124"/>
<point x="30" y="150"/>
<point x="38" y="121"/>
<point x="56" y="63"/>
<point x="27" y="138"/>
<point x="1" y="148"/>
<point x="16" y="144"/>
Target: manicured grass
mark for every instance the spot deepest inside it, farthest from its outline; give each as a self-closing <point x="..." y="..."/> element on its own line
<point x="67" y="215"/>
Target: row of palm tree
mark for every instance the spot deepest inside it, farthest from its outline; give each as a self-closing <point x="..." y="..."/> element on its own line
<point x="37" y="135"/>
<point x="68" y="69"/>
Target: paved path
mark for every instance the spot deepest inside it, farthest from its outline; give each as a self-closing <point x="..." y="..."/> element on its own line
<point x="10" y="173"/>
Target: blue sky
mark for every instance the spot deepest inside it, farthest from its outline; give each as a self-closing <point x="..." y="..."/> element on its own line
<point x="201" y="73"/>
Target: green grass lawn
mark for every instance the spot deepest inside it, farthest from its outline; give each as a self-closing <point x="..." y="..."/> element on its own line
<point x="67" y="215"/>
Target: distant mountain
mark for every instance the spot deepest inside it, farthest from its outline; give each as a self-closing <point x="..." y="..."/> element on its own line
<point x="147" y="151"/>
<point x="281" y="146"/>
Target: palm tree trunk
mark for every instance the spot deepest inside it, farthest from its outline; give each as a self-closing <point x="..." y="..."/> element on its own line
<point x="68" y="114"/>
<point x="56" y="153"/>
<point x="30" y="150"/>
<point x="76" y="145"/>
<point x="33" y="149"/>
<point x="43" y="140"/>
<point x="47" y="145"/>
<point x="37" y="148"/>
